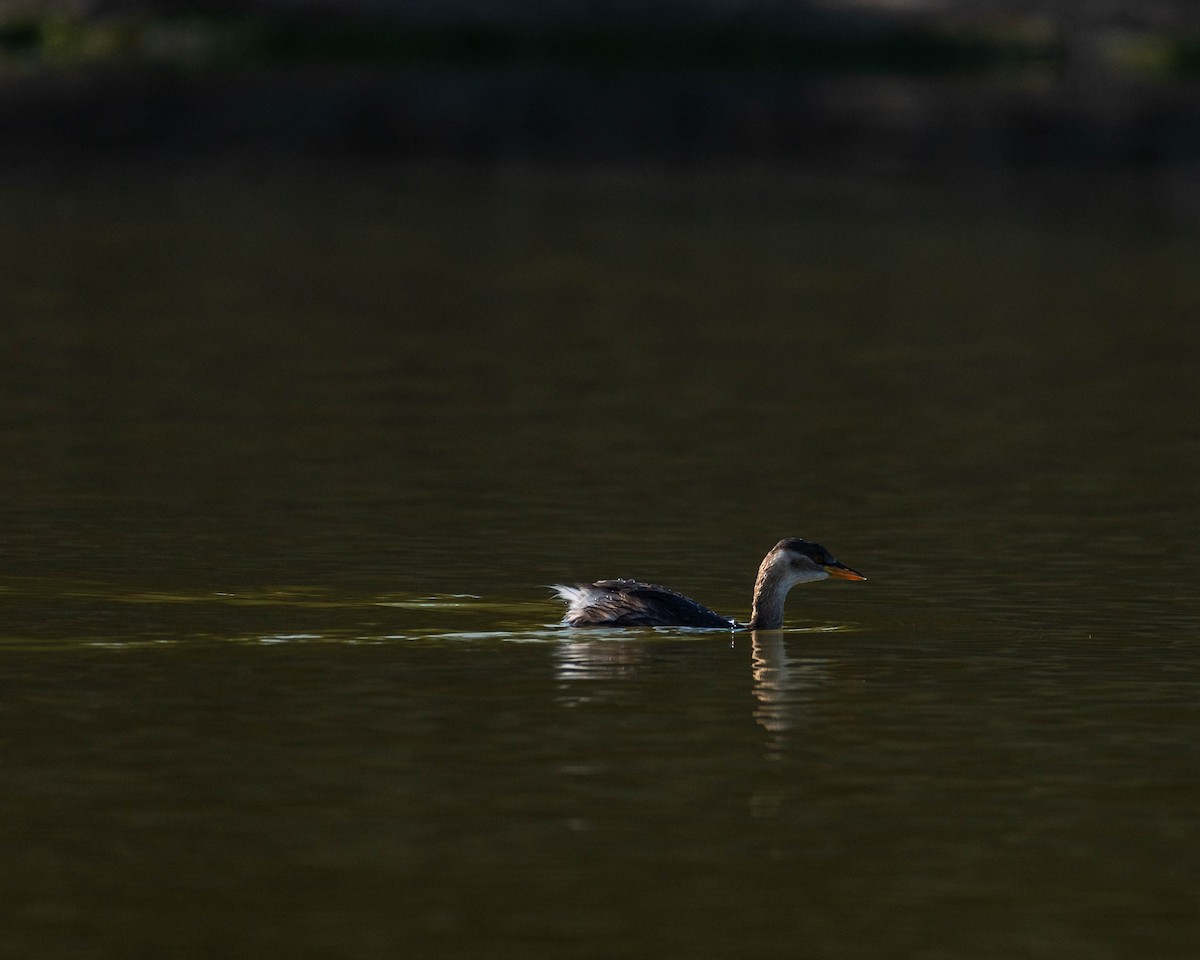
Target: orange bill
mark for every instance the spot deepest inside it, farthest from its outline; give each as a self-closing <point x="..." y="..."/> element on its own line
<point x="843" y="572"/>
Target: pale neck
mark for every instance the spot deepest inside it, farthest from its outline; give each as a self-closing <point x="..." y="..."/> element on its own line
<point x="770" y="592"/>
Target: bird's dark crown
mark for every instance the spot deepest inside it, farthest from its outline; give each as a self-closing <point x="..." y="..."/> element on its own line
<point x="814" y="551"/>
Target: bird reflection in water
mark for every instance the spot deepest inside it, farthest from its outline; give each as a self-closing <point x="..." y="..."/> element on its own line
<point x="783" y="686"/>
<point x="581" y="663"/>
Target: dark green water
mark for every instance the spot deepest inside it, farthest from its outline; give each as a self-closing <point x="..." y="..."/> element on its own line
<point x="288" y="463"/>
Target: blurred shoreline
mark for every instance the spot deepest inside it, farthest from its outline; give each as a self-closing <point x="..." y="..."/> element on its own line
<point x="893" y="116"/>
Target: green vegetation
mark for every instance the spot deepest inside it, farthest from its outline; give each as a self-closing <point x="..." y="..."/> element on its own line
<point x="825" y="46"/>
<point x="218" y="41"/>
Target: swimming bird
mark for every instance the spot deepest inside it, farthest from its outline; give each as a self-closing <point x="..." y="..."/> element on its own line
<point x="630" y="603"/>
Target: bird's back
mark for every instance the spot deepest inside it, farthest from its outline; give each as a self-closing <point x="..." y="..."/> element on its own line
<point x="630" y="603"/>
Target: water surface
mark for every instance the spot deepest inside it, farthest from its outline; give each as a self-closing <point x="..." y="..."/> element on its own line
<point x="290" y="461"/>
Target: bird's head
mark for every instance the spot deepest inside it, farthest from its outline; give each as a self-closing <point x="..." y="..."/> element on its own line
<point x="801" y="561"/>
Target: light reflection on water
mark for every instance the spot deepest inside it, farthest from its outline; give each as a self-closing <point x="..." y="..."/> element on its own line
<point x="799" y="769"/>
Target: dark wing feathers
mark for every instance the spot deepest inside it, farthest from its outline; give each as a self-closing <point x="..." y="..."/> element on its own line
<point x="630" y="603"/>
